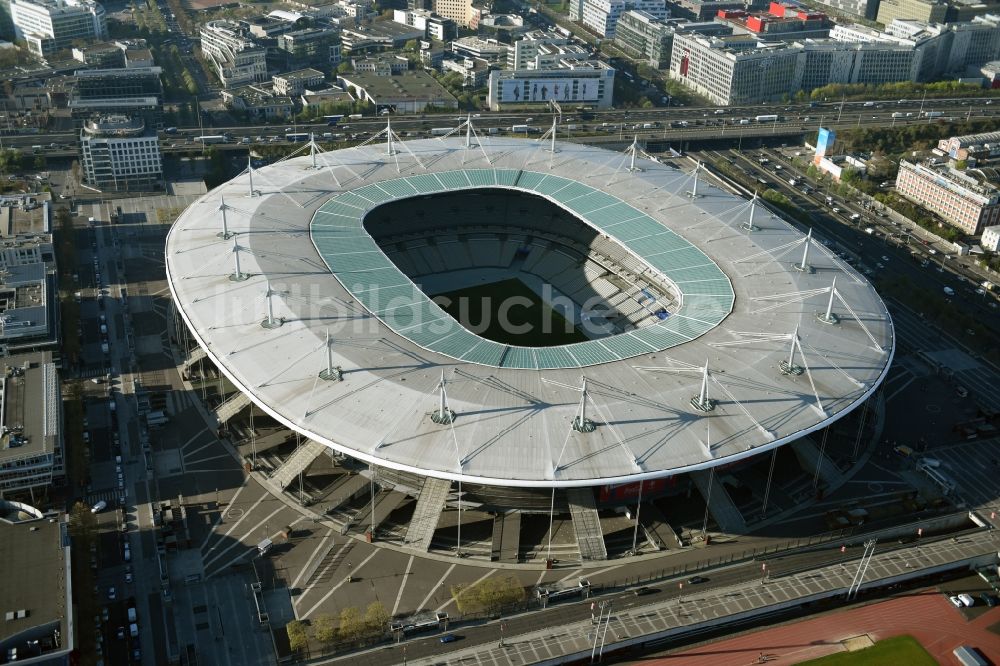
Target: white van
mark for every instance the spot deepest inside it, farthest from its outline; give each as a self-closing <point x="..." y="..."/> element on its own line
<point x="100" y="506"/>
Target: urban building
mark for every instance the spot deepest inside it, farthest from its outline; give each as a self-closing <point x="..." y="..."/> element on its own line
<point x="543" y="50"/>
<point x="120" y="154"/>
<point x="434" y="27"/>
<point x="295" y="83"/>
<point x="382" y="65"/>
<point x="48" y="26"/>
<point x="105" y="55"/>
<point x="31" y="454"/>
<point x="780" y="22"/>
<point x="963" y="199"/>
<point x="490" y="50"/>
<point x="602" y="16"/>
<point x="233" y="54"/>
<point x="991" y="238"/>
<point x="331" y="95"/>
<point x="378" y="36"/>
<point x="587" y="82"/>
<point x="474" y="72"/>
<point x="135" y="92"/>
<point x="37" y="593"/>
<point x="502" y="24"/>
<point x="258" y="102"/>
<point x="702" y="10"/>
<point x="318" y="46"/>
<point x="644" y="37"/>
<point x="28" y="289"/>
<point x="462" y="12"/>
<point x="734" y="69"/>
<point x="928" y="11"/>
<point x="991" y="74"/>
<point x="866" y="9"/>
<point x="407" y="92"/>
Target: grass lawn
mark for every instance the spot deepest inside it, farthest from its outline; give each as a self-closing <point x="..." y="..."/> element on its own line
<point x="890" y="652"/>
<point x="490" y="311"/>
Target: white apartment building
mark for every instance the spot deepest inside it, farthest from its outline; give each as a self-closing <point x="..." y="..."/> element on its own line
<point x="48" y="26"/>
<point x="118" y="154"/>
<point x="588" y="82"/>
<point x="991" y="238"/>
<point x="543" y="50"/>
<point x="236" y="57"/>
<point x="957" y="197"/>
<point x="602" y="16"/>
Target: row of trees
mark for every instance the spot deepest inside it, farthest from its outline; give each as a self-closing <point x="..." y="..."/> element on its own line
<point x="83" y="532"/>
<point x="178" y="81"/>
<point x="900" y="90"/>
<point x="352" y="626"/>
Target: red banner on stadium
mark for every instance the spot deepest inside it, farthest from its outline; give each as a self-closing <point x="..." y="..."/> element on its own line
<point x="626" y="492"/>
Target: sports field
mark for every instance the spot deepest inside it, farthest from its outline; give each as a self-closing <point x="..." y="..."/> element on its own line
<point x="509" y="312"/>
<point x="896" y="651"/>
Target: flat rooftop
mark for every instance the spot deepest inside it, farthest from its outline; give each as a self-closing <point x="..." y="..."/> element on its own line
<point x="513" y="420"/>
<point x="409" y="85"/>
<point x="33" y="577"/>
<point x="29" y="405"/>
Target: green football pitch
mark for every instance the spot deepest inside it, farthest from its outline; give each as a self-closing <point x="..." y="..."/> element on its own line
<point x="509" y="312"/>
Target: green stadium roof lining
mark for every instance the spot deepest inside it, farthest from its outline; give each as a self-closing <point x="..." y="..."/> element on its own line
<point x="363" y="268"/>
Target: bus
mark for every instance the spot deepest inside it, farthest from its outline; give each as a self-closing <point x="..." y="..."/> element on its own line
<point x="423" y="621"/>
<point x="441" y="131"/>
<point x="296" y="137"/>
<point x="768" y="118"/>
<point x="563" y="589"/>
<point x="210" y="139"/>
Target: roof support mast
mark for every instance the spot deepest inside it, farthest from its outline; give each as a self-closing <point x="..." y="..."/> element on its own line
<point x="828" y="317"/>
<point x="788" y="367"/>
<point x="270" y="322"/>
<point x="333" y="372"/>
<point x="581" y="423"/>
<point x="239" y="275"/>
<point x="443" y="415"/>
<point x="225" y="223"/>
<point x="748" y="225"/>
<point x="253" y="192"/>
<point x="702" y="402"/>
<point x="804" y="264"/>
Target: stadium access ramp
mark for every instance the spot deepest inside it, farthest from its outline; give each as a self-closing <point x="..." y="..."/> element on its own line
<point x="506" y="536"/>
<point x="809" y="455"/>
<point x="298" y="462"/>
<point x="658" y="531"/>
<point x="720" y="504"/>
<point x="196" y="355"/>
<point x="430" y="505"/>
<point x="231" y="407"/>
<point x="587" y="524"/>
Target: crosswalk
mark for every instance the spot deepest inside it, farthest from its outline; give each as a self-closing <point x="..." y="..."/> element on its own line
<point x="110" y="496"/>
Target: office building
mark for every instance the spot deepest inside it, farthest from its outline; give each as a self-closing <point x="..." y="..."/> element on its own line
<point x="378" y="36"/>
<point x="318" y="46"/>
<point x="434" y="27"/>
<point x="543" y="50"/>
<point x="866" y="9"/>
<point x="28" y="293"/>
<point x="258" y="103"/>
<point x="490" y="50"/>
<point x="963" y="199"/>
<point x="702" y="10"/>
<point x="462" y="12"/>
<point x="295" y="83"/>
<point x="991" y="238"/>
<point x="407" y="92"/>
<point x="48" y="26"/>
<point x="135" y="92"/>
<point x="580" y="82"/>
<point x="780" y="22"/>
<point x="31" y="437"/>
<point x="235" y="56"/>
<point x="644" y="37"/>
<point x="927" y="11"/>
<point x="119" y="154"/>
<point x="602" y="16"/>
<point x="36" y="596"/>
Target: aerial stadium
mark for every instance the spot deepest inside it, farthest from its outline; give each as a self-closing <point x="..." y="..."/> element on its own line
<point x="502" y="326"/>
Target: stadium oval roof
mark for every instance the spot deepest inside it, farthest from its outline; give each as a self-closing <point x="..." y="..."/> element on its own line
<point x="513" y="425"/>
<point x="349" y="251"/>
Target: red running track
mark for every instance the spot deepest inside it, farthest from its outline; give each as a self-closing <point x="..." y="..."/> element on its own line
<point x="927" y="615"/>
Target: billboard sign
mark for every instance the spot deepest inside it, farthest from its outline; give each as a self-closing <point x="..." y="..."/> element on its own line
<point x="824" y="143"/>
<point x="544" y="90"/>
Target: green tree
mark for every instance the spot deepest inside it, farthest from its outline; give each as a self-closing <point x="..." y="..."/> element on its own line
<point x="345" y="68"/>
<point x="298" y="638"/>
<point x="411" y="45"/>
<point x="352" y="625"/>
<point x="324" y="629"/>
<point x="489" y="595"/>
<point x="376" y="618"/>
